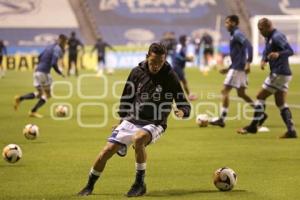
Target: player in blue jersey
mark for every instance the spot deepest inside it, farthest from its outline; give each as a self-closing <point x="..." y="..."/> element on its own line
<point x="179" y="60"/>
<point x="48" y="59"/>
<point x="241" y="52"/>
<point x="145" y="105"/>
<point x="276" y="53"/>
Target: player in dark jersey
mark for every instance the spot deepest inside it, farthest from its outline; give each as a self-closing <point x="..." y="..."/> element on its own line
<point x="241" y="57"/>
<point x="101" y="46"/>
<point x="3" y="51"/>
<point x="48" y="59"/>
<point x="276" y="53"/>
<point x="73" y="45"/>
<point x="145" y="105"/>
<point x="179" y="60"/>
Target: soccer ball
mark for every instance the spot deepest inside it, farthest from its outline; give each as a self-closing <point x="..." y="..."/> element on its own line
<point x="202" y="120"/>
<point x="12" y="153"/>
<point x="31" y="131"/>
<point x="61" y="111"/>
<point x="225" y="179"/>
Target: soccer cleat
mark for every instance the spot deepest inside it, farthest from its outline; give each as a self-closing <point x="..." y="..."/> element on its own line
<point x="289" y="134"/>
<point x="218" y="122"/>
<point x="35" y="114"/>
<point x="122" y="151"/>
<point x="262" y="121"/>
<point x="137" y="190"/>
<point x="247" y="129"/>
<point x="17" y="102"/>
<point x="85" y="191"/>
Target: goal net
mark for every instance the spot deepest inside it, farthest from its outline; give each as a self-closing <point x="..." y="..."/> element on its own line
<point x="287" y="24"/>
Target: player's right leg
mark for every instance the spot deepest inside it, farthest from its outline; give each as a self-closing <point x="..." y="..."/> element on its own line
<point x="225" y="104"/>
<point x="259" y="113"/>
<point x="108" y="151"/>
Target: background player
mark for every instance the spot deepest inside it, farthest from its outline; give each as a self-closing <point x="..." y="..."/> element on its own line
<point x="3" y="51"/>
<point x="236" y="76"/>
<point x="73" y="45"/>
<point x="145" y="105"/>
<point x="100" y="46"/>
<point x="179" y="60"/>
<point x="42" y="79"/>
<point x="277" y="51"/>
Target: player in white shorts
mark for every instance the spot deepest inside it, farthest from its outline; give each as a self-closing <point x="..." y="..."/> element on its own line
<point x="145" y="105"/>
<point x="42" y="80"/>
<point x="241" y="57"/>
<point x="277" y="51"/>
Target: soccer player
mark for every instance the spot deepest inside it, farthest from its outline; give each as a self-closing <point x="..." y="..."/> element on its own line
<point x="42" y="79"/>
<point x="3" y="51"/>
<point x="145" y="105"/>
<point x="100" y="46"/>
<point x="73" y="44"/>
<point x="276" y="53"/>
<point x="241" y="56"/>
<point x="179" y="60"/>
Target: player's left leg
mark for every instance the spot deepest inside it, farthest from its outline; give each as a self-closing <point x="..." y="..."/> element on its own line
<point x="140" y="140"/>
<point x="46" y="94"/>
<point x="241" y="92"/>
<point x="18" y="99"/>
<point x="280" y="100"/>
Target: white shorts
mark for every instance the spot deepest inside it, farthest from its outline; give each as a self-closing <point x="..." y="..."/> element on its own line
<point x="124" y="133"/>
<point x="275" y="82"/>
<point x="41" y="79"/>
<point x="236" y="79"/>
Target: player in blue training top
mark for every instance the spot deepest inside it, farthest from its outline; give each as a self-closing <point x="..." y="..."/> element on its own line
<point x="277" y="51"/>
<point x="241" y="52"/>
<point x="145" y="105"/>
<point x="42" y="79"/>
<point x="179" y="60"/>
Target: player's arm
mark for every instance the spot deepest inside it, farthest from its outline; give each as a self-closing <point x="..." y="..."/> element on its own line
<point x="249" y="49"/>
<point x="54" y="62"/>
<point x="286" y="49"/>
<point x="126" y="101"/>
<point x="183" y="106"/>
<point x="110" y="47"/>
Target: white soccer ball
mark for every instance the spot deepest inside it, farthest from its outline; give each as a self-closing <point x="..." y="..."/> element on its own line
<point x="61" y="111"/>
<point x="31" y="131"/>
<point x="12" y="153"/>
<point x="225" y="179"/>
<point x="202" y="120"/>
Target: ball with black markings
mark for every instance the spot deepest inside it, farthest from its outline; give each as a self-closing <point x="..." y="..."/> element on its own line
<point x="12" y="153"/>
<point x="31" y="131"/>
<point x="225" y="179"/>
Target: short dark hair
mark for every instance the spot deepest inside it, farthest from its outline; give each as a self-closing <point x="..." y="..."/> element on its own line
<point x="62" y="37"/>
<point x="157" y="48"/>
<point x="182" y="39"/>
<point x="234" y="18"/>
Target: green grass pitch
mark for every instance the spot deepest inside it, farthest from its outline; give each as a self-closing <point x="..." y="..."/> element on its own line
<point x="180" y="165"/>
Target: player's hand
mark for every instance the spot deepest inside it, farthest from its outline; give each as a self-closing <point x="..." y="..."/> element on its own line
<point x="262" y="65"/>
<point x="224" y="70"/>
<point x="247" y="68"/>
<point x="179" y="113"/>
<point x="273" y="55"/>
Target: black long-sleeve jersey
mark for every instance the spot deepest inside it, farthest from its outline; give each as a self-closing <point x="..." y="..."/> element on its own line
<point x="147" y="98"/>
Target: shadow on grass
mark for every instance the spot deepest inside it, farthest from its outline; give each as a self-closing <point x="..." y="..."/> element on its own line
<point x="179" y="192"/>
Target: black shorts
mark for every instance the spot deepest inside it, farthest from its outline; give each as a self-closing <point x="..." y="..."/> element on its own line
<point x="1" y="59"/>
<point x="180" y="73"/>
<point x="72" y="57"/>
<point x="209" y="51"/>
